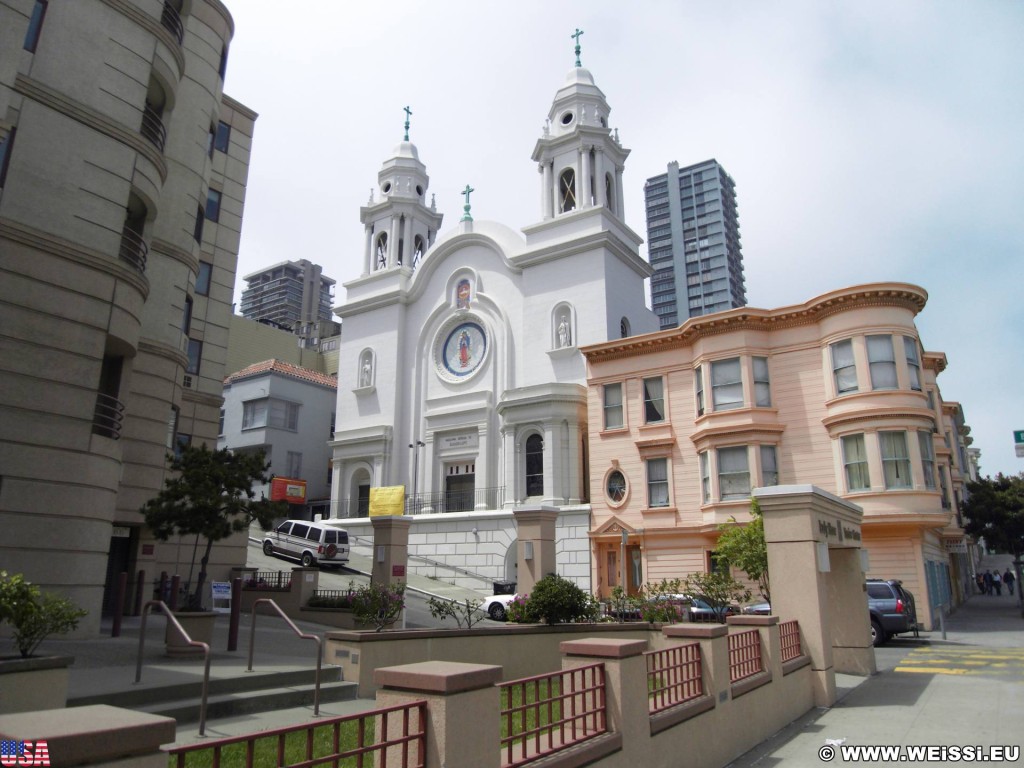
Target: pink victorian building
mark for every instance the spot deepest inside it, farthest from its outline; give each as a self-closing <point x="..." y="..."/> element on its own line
<point x="837" y="392"/>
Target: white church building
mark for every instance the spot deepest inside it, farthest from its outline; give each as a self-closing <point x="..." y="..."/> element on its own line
<point x="459" y="371"/>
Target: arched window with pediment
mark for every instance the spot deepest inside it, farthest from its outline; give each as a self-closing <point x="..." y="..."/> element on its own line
<point x="380" y="252"/>
<point x="534" y="465"/>
<point x="417" y="250"/>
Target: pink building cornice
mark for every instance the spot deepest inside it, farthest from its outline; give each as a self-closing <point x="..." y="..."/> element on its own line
<point x="903" y="295"/>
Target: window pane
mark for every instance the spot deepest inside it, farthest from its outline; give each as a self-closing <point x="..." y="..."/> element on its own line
<point x="654" y="402"/>
<point x="612" y="406"/>
<point x="657" y="482"/>
<point x="698" y="378"/>
<point x="895" y="459"/>
<point x="843" y="367"/>
<point x="856" y="461"/>
<point x="195" y="354"/>
<point x="769" y="470"/>
<point x="705" y="477"/>
<point x="213" y="205"/>
<point x="913" y="362"/>
<point x="35" y="26"/>
<point x="203" y="278"/>
<point x="726" y="385"/>
<point x="534" y="466"/>
<point x="733" y="473"/>
<point x="924" y="440"/>
<point x="882" y="362"/>
<point x="223" y="138"/>
<point x="762" y="390"/>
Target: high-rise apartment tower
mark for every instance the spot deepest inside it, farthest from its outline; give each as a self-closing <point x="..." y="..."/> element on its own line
<point x="295" y="295"/>
<point x="693" y="237"/>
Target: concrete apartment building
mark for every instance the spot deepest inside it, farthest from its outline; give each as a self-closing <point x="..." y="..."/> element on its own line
<point x="693" y="242"/>
<point x="837" y="392"/>
<point x="121" y="194"/>
<point x="292" y="295"/>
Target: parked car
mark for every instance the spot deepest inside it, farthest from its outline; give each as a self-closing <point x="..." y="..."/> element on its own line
<point x="310" y="542"/>
<point x="496" y="606"/>
<point x="697" y="608"/>
<point x="892" y="609"/>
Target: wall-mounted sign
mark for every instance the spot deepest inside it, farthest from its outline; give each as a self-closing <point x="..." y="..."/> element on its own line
<point x="288" y="489"/>
<point x="459" y="442"/>
<point x="389" y="500"/>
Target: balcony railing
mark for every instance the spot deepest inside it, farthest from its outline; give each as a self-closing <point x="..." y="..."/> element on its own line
<point x="744" y="655"/>
<point x="133" y="249"/>
<point x="107" y="416"/>
<point x="172" y="22"/>
<point x="674" y="676"/>
<point x="153" y="127"/>
<point x="789" y="637"/>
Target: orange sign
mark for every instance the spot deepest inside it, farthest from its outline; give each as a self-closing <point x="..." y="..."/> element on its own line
<point x="288" y="489"/>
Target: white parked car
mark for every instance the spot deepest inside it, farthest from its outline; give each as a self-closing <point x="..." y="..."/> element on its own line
<point x="496" y="606"/>
<point x="310" y="542"/>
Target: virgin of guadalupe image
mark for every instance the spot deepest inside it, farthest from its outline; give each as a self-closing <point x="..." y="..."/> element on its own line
<point x="465" y="348"/>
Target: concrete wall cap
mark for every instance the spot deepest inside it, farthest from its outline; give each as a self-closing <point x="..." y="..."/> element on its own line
<point x="445" y="677"/>
<point x="752" y="621"/>
<point x="603" y="648"/>
<point x="688" y="630"/>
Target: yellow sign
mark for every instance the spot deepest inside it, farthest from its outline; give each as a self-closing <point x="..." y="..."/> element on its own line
<point x="387" y="501"/>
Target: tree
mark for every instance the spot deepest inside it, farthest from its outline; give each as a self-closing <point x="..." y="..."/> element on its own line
<point x="995" y="512"/>
<point x="33" y="614"/>
<point x="743" y="546"/>
<point x="718" y="589"/>
<point x="211" y="496"/>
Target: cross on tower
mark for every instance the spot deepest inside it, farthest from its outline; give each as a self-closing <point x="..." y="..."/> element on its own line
<point x="465" y="208"/>
<point x="576" y="36"/>
<point x="408" y="112"/>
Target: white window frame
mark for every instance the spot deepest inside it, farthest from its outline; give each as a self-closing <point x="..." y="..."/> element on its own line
<point x="698" y="378"/>
<point x="705" y="477"/>
<point x="927" y="448"/>
<point x="913" y="362"/>
<point x="769" y="465"/>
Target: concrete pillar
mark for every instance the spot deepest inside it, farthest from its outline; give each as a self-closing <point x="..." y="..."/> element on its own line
<point x="393" y="242"/>
<point x="463" y="702"/>
<point x="545" y="190"/>
<point x="625" y="671"/>
<point x="803" y="525"/>
<point x="368" y="251"/>
<point x="585" y="202"/>
<point x="407" y="242"/>
<point x="535" y="530"/>
<point x="305" y="582"/>
<point x="599" y="186"/>
<point x="390" y="549"/>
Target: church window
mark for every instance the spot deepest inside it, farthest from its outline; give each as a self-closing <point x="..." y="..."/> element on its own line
<point x="616" y="487"/>
<point x="609" y="191"/>
<point x="567" y="118"/>
<point x="534" y="465"/>
<point x="381" y="251"/>
<point x="624" y="327"/>
<point x="364" y="376"/>
<point x="567" y="191"/>
<point x="417" y="251"/>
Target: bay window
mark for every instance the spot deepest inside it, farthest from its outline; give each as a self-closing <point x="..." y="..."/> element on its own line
<point x="726" y="385"/>
<point x="895" y="459"/>
<point x="855" y="462"/>
<point x="844" y="369"/>
<point x="762" y="390"/>
<point x="733" y="473"/>
<point x="654" y="400"/>
<point x="881" y="362"/>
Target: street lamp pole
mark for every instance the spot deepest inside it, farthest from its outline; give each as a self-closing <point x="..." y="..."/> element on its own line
<point x="415" y="447"/>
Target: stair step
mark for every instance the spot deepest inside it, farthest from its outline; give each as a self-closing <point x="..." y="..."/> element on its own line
<point x="247" y="702"/>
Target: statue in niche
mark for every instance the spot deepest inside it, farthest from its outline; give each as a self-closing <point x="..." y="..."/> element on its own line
<point x="564" y="334"/>
<point x="366" y="373"/>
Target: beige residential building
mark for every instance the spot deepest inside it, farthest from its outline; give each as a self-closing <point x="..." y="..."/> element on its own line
<point x="837" y="392"/>
<point x="122" y="183"/>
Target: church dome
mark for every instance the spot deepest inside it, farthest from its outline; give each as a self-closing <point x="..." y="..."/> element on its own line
<point x="579" y="76"/>
<point x="406" y="149"/>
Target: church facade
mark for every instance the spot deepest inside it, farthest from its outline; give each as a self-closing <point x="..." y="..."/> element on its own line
<point x="460" y="375"/>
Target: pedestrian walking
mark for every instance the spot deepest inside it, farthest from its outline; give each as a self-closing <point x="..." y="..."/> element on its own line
<point x="979" y="580"/>
<point x="1008" y="579"/>
<point x="997" y="582"/>
<point x="988" y="581"/>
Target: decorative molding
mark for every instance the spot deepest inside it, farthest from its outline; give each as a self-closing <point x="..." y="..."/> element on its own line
<point x="901" y="295"/>
<point x="167" y="352"/>
<point x="897" y="413"/>
<point x="178" y="254"/>
<point x="65" y="249"/>
<point x="201" y="398"/>
<point x="91" y="118"/>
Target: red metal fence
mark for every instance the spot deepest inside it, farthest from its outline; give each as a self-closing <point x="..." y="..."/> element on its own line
<point x="789" y="636"/>
<point x="393" y="736"/>
<point x="673" y="676"/>
<point x="744" y="655"/>
<point x="546" y="713"/>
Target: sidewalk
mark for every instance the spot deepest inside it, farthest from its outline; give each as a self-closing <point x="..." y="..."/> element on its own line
<point x="966" y="689"/>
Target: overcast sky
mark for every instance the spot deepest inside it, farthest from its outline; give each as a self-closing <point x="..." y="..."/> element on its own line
<point x="869" y="141"/>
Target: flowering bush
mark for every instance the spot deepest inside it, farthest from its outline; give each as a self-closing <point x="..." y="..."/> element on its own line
<point x="518" y="610"/>
<point x="379" y="604"/>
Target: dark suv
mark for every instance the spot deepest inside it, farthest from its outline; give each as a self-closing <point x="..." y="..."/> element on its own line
<point x="892" y="609"/>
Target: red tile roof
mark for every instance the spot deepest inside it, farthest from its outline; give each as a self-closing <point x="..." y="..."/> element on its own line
<point x="286" y="369"/>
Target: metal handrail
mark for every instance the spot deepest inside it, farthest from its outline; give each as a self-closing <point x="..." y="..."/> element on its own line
<point x="153" y="127"/>
<point x="196" y="643"/>
<point x="171" y="20"/>
<point x="107" y="416"/>
<point x="133" y="248"/>
<point x="301" y="634"/>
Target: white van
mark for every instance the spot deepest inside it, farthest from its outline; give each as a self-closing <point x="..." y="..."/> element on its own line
<point x="310" y="542"/>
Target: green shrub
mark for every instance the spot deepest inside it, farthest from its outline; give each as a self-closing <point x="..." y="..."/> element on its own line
<point x="342" y="602"/>
<point x="34" y="615"/>
<point x="518" y="611"/>
<point x="555" y="600"/>
<point x="379" y="604"/>
<point x="467" y="611"/>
